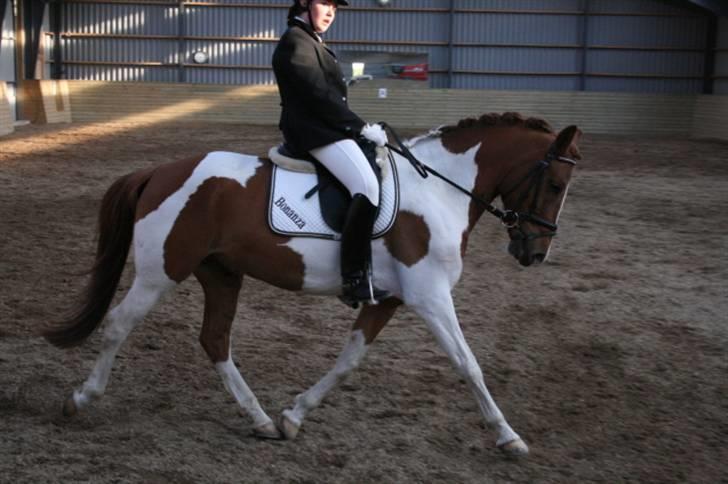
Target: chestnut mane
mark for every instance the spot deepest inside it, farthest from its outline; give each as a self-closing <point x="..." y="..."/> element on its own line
<point x="495" y="119"/>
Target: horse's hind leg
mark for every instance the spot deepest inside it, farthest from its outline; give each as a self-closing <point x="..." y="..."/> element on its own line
<point x="368" y="324"/>
<point x="221" y="297"/>
<point x="140" y="299"/>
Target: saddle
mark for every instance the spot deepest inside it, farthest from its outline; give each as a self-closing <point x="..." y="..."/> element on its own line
<point x="307" y="200"/>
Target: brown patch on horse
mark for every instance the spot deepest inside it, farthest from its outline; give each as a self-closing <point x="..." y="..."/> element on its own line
<point x="228" y="221"/>
<point x="409" y="239"/>
<point x="373" y="318"/>
<point x="459" y="142"/>
<point x="221" y="300"/>
<point x="167" y="179"/>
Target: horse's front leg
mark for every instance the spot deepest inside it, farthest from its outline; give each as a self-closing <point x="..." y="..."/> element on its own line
<point x="368" y="324"/>
<point x="435" y="306"/>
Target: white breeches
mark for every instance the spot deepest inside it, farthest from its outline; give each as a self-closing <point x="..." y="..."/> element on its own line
<point x="345" y="160"/>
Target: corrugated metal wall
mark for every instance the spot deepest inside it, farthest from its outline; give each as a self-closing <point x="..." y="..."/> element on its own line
<point x="593" y="45"/>
<point x="7" y="43"/>
<point x="8" y="78"/>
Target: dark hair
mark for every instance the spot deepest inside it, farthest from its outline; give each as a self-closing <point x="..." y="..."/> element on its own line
<point x="296" y="9"/>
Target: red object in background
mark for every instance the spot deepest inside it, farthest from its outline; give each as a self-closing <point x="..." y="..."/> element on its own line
<point x="417" y="72"/>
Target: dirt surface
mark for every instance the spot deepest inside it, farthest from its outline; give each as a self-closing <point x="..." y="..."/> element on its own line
<point x="610" y="360"/>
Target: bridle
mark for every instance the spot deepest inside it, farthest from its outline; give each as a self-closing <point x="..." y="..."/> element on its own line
<point x="511" y="219"/>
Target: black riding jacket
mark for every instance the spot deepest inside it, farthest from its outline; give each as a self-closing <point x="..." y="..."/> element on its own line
<point x="313" y="91"/>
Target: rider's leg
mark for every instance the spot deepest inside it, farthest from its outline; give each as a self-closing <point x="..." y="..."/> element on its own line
<point x="345" y="160"/>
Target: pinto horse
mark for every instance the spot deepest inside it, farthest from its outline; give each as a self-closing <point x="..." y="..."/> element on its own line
<point x="207" y="217"/>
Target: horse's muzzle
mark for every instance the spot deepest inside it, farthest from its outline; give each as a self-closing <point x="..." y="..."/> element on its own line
<point x="519" y="250"/>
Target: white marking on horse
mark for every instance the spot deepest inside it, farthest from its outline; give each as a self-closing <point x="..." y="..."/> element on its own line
<point x="239" y="389"/>
<point x="556" y="222"/>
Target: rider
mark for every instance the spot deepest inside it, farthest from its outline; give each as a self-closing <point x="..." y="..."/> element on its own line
<point x="316" y="119"/>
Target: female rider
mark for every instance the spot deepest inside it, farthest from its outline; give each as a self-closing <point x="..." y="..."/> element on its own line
<point x="316" y="119"/>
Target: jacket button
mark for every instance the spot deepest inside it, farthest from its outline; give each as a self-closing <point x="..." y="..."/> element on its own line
<point x="343" y="98"/>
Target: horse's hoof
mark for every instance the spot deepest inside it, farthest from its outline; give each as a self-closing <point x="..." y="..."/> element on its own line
<point x="268" y="431"/>
<point x="514" y="448"/>
<point x="289" y="427"/>
<point x="69" y="407"/>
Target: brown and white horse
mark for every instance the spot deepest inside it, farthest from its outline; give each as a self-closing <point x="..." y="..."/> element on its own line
<point x="207" y="217"/>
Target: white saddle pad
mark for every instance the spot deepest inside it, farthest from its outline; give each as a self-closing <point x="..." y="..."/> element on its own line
<point x="290" y="213"/>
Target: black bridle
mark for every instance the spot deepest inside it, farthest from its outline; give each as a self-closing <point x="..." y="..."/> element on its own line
<point x="534" y="177"/>
<point x="511" y="219"/>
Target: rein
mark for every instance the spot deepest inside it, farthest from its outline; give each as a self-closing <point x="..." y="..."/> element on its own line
<point x="510" y="218"/>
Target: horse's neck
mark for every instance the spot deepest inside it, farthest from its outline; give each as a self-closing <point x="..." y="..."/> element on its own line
<point x="460" y="168"/>
<point x="495" y="161"/>
<point x="446" y="210"/>
<point x="479" y="177"/>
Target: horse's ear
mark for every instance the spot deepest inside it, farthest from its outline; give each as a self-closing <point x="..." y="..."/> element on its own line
<point x="565" y="143"/>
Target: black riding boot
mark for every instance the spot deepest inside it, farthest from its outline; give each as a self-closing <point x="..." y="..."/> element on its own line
<point x="356" y="254"/>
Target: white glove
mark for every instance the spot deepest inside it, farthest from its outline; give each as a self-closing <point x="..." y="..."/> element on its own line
<point x="375" y="133"/>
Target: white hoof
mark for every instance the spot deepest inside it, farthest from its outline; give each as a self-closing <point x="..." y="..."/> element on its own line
<point x="289" y="426"/>
<point x="267" y="431"/>
<point x="514" y="448"/>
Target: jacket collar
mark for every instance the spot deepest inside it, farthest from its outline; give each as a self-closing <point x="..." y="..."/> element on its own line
<point x="298" y="22"/>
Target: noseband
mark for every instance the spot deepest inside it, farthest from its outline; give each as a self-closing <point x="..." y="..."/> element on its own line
<point x="510" y="218"/>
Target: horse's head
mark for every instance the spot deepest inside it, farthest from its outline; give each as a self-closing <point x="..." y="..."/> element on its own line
<point x="533" y="195"/>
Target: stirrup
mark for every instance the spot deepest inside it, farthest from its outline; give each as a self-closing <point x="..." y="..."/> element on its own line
<point x="361" y="290"/>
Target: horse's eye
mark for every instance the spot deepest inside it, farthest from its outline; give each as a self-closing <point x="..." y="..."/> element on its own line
<point x="555" y="188"/>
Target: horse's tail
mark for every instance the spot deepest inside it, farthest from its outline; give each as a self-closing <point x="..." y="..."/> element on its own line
<point x="116" y="230"/>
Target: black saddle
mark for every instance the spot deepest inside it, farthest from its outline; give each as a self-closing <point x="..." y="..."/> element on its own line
<point x="334" y="198"/>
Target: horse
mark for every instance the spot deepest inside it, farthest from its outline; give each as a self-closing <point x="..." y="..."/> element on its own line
<point x="205" y="216"/>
